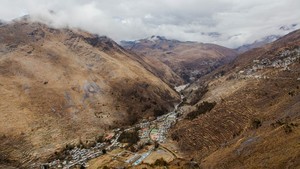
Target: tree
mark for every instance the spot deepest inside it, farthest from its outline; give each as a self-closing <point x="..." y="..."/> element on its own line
<point x="160" y="162"/>
<point x="156" y="144"/>
<point x="131" y="137"/>
<point x="256" y="123"/>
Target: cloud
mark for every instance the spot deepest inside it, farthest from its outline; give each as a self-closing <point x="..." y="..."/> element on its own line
<point x="226" y="22"/>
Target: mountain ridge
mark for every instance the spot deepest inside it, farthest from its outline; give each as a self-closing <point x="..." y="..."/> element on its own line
<point x="61" y="86"/>
<point x="188" y="60"/>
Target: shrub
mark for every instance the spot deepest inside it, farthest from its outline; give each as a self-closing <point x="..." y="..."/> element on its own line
<point x="69" y="146"/>
<point x="160" y="112"/>
<point x="156" y="144"/>
<point x="99" y="138"/>
<point x="175" y="136"/>
<point x="198" y="94"/>
<point x="160" y="162"/>
<point x="256" y="123"/>
<point x="131" y="137"/>
<point x="201" y="109"/>
<point x="292" y="93"/>
<point x="288" y="128"/>
<point x="132" y="118"/>
<point x="231" y="77"/>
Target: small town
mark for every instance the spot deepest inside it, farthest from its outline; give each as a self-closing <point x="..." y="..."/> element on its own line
<point x="151" y="134"/>
<point x="282" y="60"/>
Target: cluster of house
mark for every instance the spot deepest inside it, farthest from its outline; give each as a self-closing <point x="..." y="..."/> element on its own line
<point x="283" y="60"/>
<point x="165" y="126"/>
<point x="76" y="156"/>
<point x="79" y="156"/>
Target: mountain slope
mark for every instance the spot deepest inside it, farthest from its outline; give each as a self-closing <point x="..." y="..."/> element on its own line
<point x="255" y="122"/>
<point x="188" y="60"/>
<point x="59" y="86"/>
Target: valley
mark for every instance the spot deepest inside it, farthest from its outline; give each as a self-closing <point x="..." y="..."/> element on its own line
<point x="180" y="61"/>
<point x="151" y="138"/>
<point x="62" y="86"/>
<point x="256" y="110"/>
<point x="73" y="99"/>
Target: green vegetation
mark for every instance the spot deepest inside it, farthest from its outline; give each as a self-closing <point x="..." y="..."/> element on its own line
<point x="175" y="136"/>
<point x="105" y="167"/>
<point x="160" y="112"/>
<point x="292" y="93"/>
<point x="99" y="138"/>
<point x="156" y="144"/>
<point x="287" y="126"/>
<point x="160" y="162"/>
<point x="201" y="109"/>
<point x="256" y="123"/>
<point x="131" y="137"/>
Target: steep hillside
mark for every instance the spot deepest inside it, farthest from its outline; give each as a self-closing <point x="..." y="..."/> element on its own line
<point x="188" y="60"/>
<point x="246" y="114"/>
<point x="60" y="85"/>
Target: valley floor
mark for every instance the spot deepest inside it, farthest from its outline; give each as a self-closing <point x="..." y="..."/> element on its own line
<point x="152" y="145"/>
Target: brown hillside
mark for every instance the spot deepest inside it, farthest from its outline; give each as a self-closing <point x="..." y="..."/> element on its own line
<point x="188" y="60"/>
<point x="59" y="85"/>
<point x="255" y="123"/>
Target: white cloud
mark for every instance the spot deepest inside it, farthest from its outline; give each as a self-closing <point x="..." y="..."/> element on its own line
<point x="236" y="21"/>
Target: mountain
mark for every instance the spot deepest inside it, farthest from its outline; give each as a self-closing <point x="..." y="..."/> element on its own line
<point x="188" y="60"/>
<point x="282" y="30"/>
<point x="61" y="86"/>
<point x="246" y="114"/>
<point x="257" y="43"/>
<point x="290" y="27"/>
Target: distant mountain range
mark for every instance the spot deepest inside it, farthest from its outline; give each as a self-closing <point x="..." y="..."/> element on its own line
<point x="257" y="43"/>
<point x="266" y="39"/>
<point x="187" y="60"/>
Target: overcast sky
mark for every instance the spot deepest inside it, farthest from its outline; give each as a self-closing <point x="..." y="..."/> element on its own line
<point x="226" y="22"/>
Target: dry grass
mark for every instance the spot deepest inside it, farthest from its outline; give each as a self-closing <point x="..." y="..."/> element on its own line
<point x="226" y="138"/>
<point x="171" y="59"/>
<point x="59" y="86"/>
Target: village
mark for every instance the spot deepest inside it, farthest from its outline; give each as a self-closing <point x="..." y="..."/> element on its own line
<point x="282" y="61"/>
<point x="150" y="133"/>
